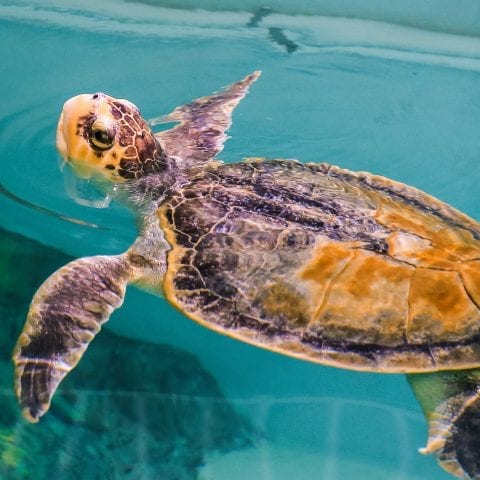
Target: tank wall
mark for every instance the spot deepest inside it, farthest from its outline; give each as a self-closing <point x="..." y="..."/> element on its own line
<point x="453" y="16"/>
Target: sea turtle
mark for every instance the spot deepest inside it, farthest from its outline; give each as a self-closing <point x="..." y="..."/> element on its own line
<point x="317" y="262"/>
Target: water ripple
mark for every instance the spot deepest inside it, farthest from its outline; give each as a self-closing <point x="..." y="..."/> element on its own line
<point x="38" y="208"/>
<point x="26" y="140"/>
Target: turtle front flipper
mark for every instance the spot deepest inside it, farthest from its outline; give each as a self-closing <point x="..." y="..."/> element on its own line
<point x="451" y="403"/>
<point x="65" y="314"/>
<point x="203" y="123"/>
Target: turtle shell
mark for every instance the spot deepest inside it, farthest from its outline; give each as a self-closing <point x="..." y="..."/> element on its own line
<point x="313" y="261"/>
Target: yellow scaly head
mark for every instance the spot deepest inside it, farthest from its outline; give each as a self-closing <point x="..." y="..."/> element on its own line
<point x="106" y="138"/>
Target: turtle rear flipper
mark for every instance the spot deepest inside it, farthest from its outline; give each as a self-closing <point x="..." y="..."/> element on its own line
<point x="451" y="403"/>
<point x="65" y="315"/>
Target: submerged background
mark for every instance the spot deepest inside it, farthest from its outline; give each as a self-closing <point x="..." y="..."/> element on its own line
<point x="365" y="85"/>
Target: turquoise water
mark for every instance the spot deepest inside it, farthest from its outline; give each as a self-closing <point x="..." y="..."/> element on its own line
<point x="366" y="95"/>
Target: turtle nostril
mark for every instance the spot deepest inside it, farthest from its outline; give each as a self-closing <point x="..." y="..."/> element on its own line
<point x="98" y="95"/>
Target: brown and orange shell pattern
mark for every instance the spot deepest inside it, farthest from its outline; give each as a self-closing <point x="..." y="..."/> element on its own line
<point x="341" y="268"/>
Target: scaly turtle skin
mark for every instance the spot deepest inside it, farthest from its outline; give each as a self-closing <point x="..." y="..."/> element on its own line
<point x="309" y="260"/>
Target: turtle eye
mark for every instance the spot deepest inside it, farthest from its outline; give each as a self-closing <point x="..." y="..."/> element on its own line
<point x="101" y="137"/>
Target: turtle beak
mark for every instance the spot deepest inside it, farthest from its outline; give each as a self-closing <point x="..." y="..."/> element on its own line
<point x="69" y="145"/>
<point x="77" y="175"/>
<point x="65" y="137"/>
<point x="61" y="142"/>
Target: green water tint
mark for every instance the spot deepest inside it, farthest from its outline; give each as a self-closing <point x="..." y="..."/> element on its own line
<point x="132" y="409"/>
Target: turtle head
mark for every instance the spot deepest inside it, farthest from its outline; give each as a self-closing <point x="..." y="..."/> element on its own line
<point x="106" y="138"/>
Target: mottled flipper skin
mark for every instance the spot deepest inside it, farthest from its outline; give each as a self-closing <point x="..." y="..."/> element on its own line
<point x="65" y="315"/>
<point x="200" y="136"/>
<point x="451" y="404"/>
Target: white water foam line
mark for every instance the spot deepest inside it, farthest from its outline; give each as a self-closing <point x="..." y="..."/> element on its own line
<point x="312" y="34"/>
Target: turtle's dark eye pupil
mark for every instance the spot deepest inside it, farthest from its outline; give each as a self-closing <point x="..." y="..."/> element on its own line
<point x="101" y="139"/>
<point x="101" y="136"/>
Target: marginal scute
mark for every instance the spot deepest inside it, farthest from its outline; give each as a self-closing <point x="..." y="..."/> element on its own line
<point x="457" y="356"/>
<point x="408" y="360"/>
